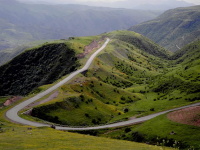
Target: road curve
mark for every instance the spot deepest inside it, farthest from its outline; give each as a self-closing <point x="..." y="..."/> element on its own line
<point x="12" y="114"/>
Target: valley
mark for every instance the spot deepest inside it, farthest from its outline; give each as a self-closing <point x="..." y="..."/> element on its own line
<point x="101" y="85"/>
<point x="183" y="24"/>
<point x="125" y="80"/>
<point x="22" y="24"/>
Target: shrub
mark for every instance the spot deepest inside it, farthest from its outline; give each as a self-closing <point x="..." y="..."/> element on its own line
<point x="126" y="110"/>
<point x="152" y="109"/>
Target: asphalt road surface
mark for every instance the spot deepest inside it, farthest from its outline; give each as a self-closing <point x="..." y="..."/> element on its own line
<point x="12" y="114"/>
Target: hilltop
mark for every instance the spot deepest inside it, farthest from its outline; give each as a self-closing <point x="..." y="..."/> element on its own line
<point x="173" y="29"/>
<point x="36" y="67"/>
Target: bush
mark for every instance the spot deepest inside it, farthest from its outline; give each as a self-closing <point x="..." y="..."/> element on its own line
<point x="127" y="130"/>
<point x="152" y="109"/>
<point x="126" y="110"/>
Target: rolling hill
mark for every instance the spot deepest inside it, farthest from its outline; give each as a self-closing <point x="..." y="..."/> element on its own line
<point x="173" y="29"/>
<point x="125" y="81"/>
<point x="132" y="77"/>
<point x="42" y="65"/>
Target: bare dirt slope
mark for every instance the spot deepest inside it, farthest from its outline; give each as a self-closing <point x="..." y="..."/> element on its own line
<point x="190" y="116"/>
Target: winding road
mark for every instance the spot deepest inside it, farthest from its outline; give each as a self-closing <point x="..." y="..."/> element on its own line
<point x="12" y="114"/>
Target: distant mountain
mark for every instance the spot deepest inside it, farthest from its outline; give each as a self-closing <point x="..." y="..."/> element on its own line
<point x="130" y="4"/>
<point x="174" y="28"/>
<point x="165" y="5"/>
<point x="21" y="23"/>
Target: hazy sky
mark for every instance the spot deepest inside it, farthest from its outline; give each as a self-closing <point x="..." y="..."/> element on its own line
<point x="109" y="1"/>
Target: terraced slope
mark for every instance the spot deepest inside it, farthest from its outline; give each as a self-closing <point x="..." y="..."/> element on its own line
<point x="173" y="29"/>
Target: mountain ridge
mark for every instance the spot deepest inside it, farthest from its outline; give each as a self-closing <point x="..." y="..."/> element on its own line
<point x="22" y="20"/>
<point x="174" y="28"/>
<point x="22" y="23"/>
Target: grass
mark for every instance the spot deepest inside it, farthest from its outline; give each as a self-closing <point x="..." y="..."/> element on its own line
<point x="45" y="138"/>
<point x="123" y="82"/>
<point x="125" y="77"/>
<point x="158" y="129"/>
<point x="22" y="137"/>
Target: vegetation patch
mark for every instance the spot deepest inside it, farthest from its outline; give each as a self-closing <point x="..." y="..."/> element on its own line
<point x="36" y="67"/>
<point x="158" y="131"/>
<point x="124" y="81"/>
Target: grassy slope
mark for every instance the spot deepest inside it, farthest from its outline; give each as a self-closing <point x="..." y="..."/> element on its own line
<point x="22" y="137"/>
<point x="105" y="86"/>
<point x="8" y="54"/>
<point x="157" y="131"/>
<point x="124" y="81"/>
<point x="41" y="65"/>
<point x="182" y="87"/>
<point x="174" y="28"/>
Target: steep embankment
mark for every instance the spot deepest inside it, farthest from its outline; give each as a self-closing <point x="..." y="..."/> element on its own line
<point x="173" y="29"/>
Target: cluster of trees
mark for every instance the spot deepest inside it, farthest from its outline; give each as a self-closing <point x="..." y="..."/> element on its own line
<point x="36" y="67"/>
<point x="125" y="68"/>
<point x="118" y="83"/>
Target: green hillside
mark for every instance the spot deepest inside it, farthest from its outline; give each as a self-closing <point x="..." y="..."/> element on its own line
<point x="101" y="94"/>
<point x="36" y="67"/>
<point x="158" y="131"/>
<point x="179" y="84"/>
<point x="132" y="77"/>
<point x="124" y="81"/>
<point x="8" y="54"/>
<point x="173" y="29"/>
<point x="19" y="137"/>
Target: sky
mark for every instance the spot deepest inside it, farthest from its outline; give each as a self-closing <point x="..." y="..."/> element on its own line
<point x="109" y="1"/>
